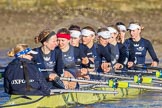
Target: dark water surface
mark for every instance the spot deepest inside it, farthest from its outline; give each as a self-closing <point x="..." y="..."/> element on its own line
<point x="151" y="99"/>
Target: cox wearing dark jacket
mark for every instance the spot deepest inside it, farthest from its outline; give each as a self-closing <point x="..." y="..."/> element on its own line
<point x="21" y="76"/>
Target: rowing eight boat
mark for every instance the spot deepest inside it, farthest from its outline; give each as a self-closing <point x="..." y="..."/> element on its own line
<point x="68" y="99"/>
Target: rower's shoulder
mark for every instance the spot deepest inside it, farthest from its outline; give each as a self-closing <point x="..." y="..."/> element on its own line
<point x="128" y="40"/>
<point x="144" y="39"/>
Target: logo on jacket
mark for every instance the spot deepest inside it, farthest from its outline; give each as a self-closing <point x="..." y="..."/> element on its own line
<point x="90" y="53"/>
<point x="136" y="45"/>
<point x="113" y="61"/>
<point x="117" y="57"/>
<point x="20" y="81"/>
<point x="140" y="48"/>
<point x="46" y="58"/>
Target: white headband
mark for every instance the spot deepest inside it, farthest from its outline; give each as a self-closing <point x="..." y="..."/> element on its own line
<point x="112" y="30"/>
<point x="75" y="33"/>
<point x="86" y="32"/>
<point x="121" y="27"/>
<point x="133" y="27"/>
<point x="104" y="34"/>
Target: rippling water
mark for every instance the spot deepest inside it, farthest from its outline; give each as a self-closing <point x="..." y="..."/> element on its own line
<point x="4" y="60"/>
<point x="146" y="100"/>
<point x="151" y="99"/>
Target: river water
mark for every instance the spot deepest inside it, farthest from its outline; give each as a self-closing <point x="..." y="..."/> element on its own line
<point x="145" y="100"/>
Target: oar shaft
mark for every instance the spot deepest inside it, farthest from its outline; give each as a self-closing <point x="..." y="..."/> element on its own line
<point x="134" y="71"/>
<point x="145" y="87"/>
<point x="83" y="81"/>
<point x="148" y="67"/>
<point x="157" y="81"/>
<point x="110" y="76"/>
<point x="83" y="91"/>
<point x="111" y="84"/>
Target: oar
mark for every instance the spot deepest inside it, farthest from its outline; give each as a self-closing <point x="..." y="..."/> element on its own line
<point x="134" y="86"/>
<point x="109" y="75"/>
<point x="145" y="87"/>
<point x="147" y="67"/>
<point x="137" y="78"/>
<point x="83" y="81"/>
<point x="134" y="72"/>
<point x="82" y="91"/>
<point x="158" y="72"/>
<point x="114" y="84"/>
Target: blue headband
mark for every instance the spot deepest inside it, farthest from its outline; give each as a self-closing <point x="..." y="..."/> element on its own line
<point x="22" y="52"/>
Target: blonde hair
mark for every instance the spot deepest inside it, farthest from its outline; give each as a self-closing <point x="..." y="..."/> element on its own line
<point x="18" y="48"/>
<point x="135" y="22"/>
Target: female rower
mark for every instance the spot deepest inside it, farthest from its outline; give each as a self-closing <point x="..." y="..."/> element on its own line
<point x="103" y="35"/>
<point x="72" y="56"/>
<point x="95" y="52"/>
<point x="75" y="34"/>
<point x="22" y="77"/>
<point x="141" y="45"/>
<point x="49" y="58"/>
<point x="129" y="47"/>
<point x="117" y="50"/>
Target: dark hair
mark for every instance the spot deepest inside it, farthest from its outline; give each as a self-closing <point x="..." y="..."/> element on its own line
<point x="89" y="28"/>
<point x="102" y="29"/>
<point x="120" y="23"/>
<point x="63" y="31"/>
<point x="74" y="27"/>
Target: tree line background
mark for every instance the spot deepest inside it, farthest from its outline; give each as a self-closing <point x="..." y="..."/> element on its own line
<point x="22" y="20"/>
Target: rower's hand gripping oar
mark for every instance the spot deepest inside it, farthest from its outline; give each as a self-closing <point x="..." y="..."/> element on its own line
<point x="147" y="67"/>
<point x="58" y="83"/>
<point x="158" y="72"/>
